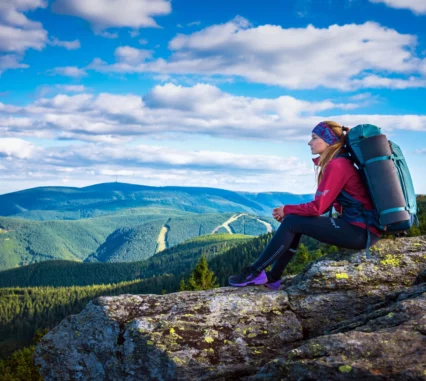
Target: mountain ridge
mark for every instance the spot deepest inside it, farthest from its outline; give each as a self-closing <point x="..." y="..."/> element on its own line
<point x="42" y="203"/>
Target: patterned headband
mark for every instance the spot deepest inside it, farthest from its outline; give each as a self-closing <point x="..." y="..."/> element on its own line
<point x="325" y="133"/>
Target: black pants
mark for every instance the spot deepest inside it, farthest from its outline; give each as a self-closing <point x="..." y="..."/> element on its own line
<point x="334" y="231"/>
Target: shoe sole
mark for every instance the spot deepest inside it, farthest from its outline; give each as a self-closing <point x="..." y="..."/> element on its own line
<point x="271" y="288"/>
<point x="246" y="284"/>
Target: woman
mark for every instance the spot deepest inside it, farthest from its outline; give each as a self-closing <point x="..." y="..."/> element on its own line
<point x="336" y="174"/>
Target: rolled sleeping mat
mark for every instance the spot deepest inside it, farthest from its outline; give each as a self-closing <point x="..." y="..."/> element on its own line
<point x="382" y="175"/>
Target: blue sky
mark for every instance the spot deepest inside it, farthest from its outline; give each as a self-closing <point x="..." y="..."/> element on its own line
<point x="198" y="93"/>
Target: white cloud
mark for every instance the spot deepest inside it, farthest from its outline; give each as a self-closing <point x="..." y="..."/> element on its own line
<point x="10" y="61"/>
<point x="17" y="40"/>
<point x="103" y="14"/>
<point x="109" y="35"/>
<point x="68" y="71"/>
<point x="18" y="33"/>
<point x="17" y="148"/>
<point x="72" y="88"/>
<point x="374" y="81"/>
<point x="388" y="123"/>
<point x="108" y="125"/>
<point x="167" y="157"/>
<point x="11" y="12"/>
<point x="142" y="41"/>
<point x="342" y="57"/>
<point x="70" y="45"/>
<point x="159" y="165"/>
<point x="129" y="55"/>
<point x="62" y="103"/>
<point x="416" y="6"/>
<point x="170" y="112"/>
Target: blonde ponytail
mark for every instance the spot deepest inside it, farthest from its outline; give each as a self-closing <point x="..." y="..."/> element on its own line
<point x="333" y="150"/>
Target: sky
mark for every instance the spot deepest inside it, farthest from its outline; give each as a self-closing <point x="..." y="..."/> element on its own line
<point x="220" y="94"/>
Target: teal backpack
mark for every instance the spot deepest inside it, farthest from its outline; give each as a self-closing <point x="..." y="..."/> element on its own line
<point x="385" y="173"/>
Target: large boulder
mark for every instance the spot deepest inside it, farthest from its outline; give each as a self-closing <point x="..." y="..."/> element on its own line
<point x="388" y="343"/>
<point x="343" y="316"/>
<point x="224" y="333"/>
<point x="339" y="286"/>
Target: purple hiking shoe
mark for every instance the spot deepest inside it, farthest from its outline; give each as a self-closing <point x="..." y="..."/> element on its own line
<point x="273" y="285"/>
<point x="248" y="277"/>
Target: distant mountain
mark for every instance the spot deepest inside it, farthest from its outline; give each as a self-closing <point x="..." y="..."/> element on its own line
<point x="66" y="203"/>
<point x="118" y="222"/>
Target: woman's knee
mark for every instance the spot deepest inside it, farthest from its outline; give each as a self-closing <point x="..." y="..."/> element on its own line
<point x="292" y="221"/>
<point x="289" y="217"/>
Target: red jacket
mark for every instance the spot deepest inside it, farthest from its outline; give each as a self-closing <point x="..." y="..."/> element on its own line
<point x="339" y="174"/>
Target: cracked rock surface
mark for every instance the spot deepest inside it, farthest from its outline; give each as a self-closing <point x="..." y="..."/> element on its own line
<point x="344" y="317"/>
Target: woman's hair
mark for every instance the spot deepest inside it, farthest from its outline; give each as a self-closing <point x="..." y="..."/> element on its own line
<point x="332" y="150"/>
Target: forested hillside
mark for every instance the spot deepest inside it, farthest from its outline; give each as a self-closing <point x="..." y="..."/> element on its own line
<point x="24" y="242"/>
<point x="176" y="260"/>
<point x="125" y="237"/>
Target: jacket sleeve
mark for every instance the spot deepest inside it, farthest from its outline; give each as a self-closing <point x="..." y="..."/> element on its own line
<point x="334" y="178"/>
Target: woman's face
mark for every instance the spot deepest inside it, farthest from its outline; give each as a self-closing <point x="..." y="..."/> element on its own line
<point x="317" y="145"/>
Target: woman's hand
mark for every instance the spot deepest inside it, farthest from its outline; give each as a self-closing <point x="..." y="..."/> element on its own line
<point x="278" y="213"/>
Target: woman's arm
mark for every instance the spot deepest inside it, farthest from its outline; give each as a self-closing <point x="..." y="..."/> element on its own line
<point x="335" y="177"/>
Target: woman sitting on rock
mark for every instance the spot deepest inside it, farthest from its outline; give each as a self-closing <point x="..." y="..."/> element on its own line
<point x="336" y="174"/>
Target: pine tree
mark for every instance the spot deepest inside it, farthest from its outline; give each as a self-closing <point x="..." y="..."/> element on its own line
<point x="182" y="285"/>
<point x="302" y="255"/>
<point x="201" y="277"/>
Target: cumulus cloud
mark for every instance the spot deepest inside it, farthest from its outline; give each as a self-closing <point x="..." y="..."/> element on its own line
<point x="104" y="14"/>
<point x="416" y="6"/>
<point x="158" y="165"/>
<point x="68" y="71"/>
<point x="70" y="45"/>
<point x="12" y="12"/>
<point x="169" y="110"/>
<point x="375" y="81"/>
<point x="17" y="40"/>
<point x="109" y="35"/>
<point x="342" y="57"/>
<point x="166" y="158"/>
<point x="72" y="88"/>
<point x="108" y="126"/>
<point x="18" y="33"/>
<point x="388" y="123"/>
<point x="10" y="61"/>
<point x="129" y="55"/>
<point x="16" y="148"/>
